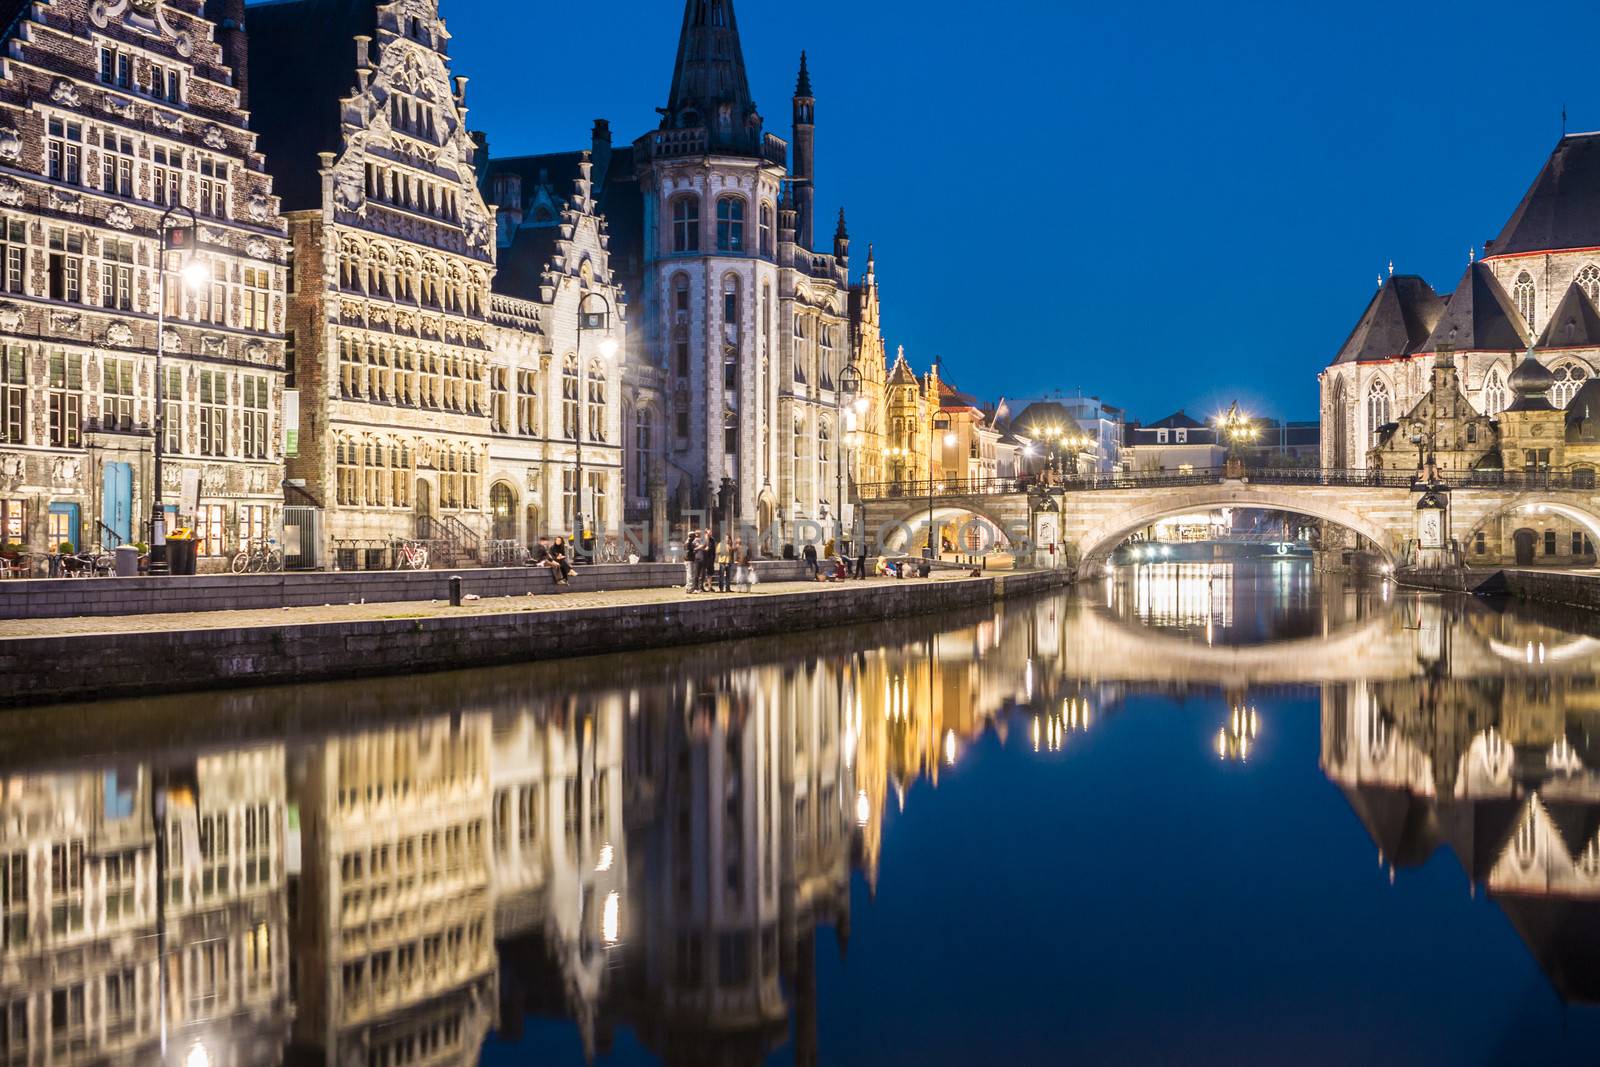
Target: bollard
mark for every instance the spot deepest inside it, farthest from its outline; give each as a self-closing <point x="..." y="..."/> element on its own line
<point x="455" y="590"/>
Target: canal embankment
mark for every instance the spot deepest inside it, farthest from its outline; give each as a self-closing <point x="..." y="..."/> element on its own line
<point x="90" y="658"/>
<point x="1576" y="589"/>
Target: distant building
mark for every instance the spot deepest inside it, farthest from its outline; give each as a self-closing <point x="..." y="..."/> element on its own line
<point x="1177" y="444"/>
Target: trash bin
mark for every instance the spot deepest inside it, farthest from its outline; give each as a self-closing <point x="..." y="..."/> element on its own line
<point x="182" y="555"/>
<point x="127" y="561"/>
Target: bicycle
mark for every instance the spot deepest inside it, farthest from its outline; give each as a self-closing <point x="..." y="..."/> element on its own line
<point x="257" y="558"/>
<point x="411" y="555"/>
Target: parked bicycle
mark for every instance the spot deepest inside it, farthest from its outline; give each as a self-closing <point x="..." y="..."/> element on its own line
<point x="259" y="557"/>
<point x="410" y="555"/>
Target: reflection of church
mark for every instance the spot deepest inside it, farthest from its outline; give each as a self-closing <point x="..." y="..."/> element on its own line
<point x="1497" y="769"/>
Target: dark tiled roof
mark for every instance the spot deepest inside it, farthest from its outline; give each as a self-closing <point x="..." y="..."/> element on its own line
<point x="1397" y="321"/>
<point x="558" y="170"/>
<point x="1563" y="934"/>
<point x="1479" y="317"/>
<point x="1575" y="323"/>
<point x="521" y="267"/>
<point x="1583" y="413"/>
<point x="709" y="76"/>
<point x="302" y="64"/>
<point x="1562" y="209"/>
<point x="1400" y="823"/>
<point x="1178" y="420"/>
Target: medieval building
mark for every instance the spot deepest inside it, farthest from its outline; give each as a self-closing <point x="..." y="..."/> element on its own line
<point x="117" y="119"/>
<point x="1537" y="286"/>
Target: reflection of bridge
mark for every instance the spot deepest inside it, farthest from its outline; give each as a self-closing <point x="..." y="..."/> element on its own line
<point x="1090" y="517"/>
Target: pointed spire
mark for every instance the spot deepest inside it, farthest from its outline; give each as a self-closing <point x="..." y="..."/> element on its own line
<point x="802" y="85"/>
<point x="710" y="87"/>
<point x="842" y="233"/>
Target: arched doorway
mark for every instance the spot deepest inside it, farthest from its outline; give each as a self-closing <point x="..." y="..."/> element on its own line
<point x="532" y="522"/>
<point x="503" y="512"/>
<point x="1526" y="542"/>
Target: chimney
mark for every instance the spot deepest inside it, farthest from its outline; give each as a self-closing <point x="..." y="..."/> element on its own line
<point x="601" y="151"/>
<point x="229" y="18"/>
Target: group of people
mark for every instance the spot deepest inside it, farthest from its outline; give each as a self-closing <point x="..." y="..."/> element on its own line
<point x="711" y="565"/>
<point x="844" y="566"/>
<point x="555" y="557"/>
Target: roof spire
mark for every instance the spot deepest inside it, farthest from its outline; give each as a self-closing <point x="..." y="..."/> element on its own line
<point x="802" y="85"/>
<point x="842" y="233"/>
<point x="710" y="87"/>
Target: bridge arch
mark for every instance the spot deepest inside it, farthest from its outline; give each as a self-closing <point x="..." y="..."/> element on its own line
<point x="909" y="532"/>
<point x="1099" y="537"/>
<point x="1535" y="503"/>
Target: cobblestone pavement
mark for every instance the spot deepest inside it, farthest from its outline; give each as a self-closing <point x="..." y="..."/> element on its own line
<point x="222" y="620"/>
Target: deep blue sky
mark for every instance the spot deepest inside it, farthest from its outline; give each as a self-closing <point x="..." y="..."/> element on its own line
<point x="1165" y="204"/>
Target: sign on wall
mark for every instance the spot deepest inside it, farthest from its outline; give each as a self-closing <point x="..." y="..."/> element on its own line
<point x="291" y="423"/>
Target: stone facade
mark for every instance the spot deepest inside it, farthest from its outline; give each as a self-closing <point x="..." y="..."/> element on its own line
<point x="110" y="115"/>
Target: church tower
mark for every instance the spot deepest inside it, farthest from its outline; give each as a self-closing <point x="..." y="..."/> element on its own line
<point x="711" y="179"/>
<point x="805" y="152"/>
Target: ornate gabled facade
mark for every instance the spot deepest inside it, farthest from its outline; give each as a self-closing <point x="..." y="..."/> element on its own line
<point x="1538" y="284"/>
<point x="110" y="115"/>
<point x="551" y="382"/>
<point x="366" y="132"/>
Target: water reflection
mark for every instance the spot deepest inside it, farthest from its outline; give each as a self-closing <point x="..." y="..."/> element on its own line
<point x="385" y="873"/>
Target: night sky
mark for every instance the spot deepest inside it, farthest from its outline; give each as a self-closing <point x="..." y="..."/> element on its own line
<point x="1165" y="204"/>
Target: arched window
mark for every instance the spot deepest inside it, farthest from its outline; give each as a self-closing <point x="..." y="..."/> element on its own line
<point x="824" y="457"/>
<point x="732" y="332"/>
<point x="569" y="398"/>
<point x="597" y="401"/>
<point x="686" y="224"/>
<point x="503" y="509"/>
<point x="1336" y="420"/>
<point x="1588" y="280"/>
<point x="1522" y="294"/>
<point x="1378" y="409"/>
<point x="730" y="224"/>
<point x="1494" y="393"/>
<point x="798" y="456"/>
<point x="766" y="229"/>
<point x="1569" y="379"/>
<point x="730" y="433"/>
<point x="644" y="443"/>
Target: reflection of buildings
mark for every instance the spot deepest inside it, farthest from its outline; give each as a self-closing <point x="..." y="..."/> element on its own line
<point x="394" y="938"/>
<point x="1499" y="770"/>
<point x="88" y="899"/>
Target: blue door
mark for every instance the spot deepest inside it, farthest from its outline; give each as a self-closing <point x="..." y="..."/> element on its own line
<point x="64" y="526"/>
<point x="116" y="502"/>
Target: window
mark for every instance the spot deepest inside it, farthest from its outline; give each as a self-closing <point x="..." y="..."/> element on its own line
<point x="66" y="887"/>
<point x="644" y="434"/>
<point x="766" y="229"/>
<point x="1161" y="437"/>
<point x="172" y="410"/>
<point x="116" y="274"/>
<point x="1549" y="542"/>
<point x="597" y="402"/>
<point x="211" y="526"/>
<point x="13" y="394"/>
<point x="213" y="199"/>
<point x="14" y="245"/>
<point x="13" y="520"/>
<point x="212" y="302"/>
<point x="64" y="152"/>
<point x="1522" y="294"/>
<point x="66" y="265"/>
<point x="1378" y="409"/>
<point x="1181" y="436"/>
<point x="166" y="83"/>
<point x="166" y="175"/>
<point x="66" y="399"/>
<point x="116" y="395"/>
<point x="1583" y="478"/>
<point x="1536" y="461"/>
<point x="569" y="502"/>
<point x="1580" y="544"/>
<point x="1588" y="280"/>
<point x="730" y="433"/>
<point x="116" y="67"/>
<point x="686" y="224"/>
<point x="1569" y="379"/>
<point x="527" y="402"/>
<point x="254" y="423"/>
<point x="257" y="294"/>
<point x="1494" y="393"/>
<point x="116" y="164"/>
<point x="1480" y="543"/>
<point x="213" y="413"/>
<point x="13" y="881"/>
<point x="569" y="398"/>
<point x="730" y="224"/>
<point x="1472" y="433"/>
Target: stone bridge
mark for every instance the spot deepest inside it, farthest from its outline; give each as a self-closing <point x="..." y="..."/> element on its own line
<point x="1089" y="519"/>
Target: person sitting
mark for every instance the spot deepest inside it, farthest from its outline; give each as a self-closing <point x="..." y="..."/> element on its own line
<point x="840" y="571"/>
<point x="560" y="562"/>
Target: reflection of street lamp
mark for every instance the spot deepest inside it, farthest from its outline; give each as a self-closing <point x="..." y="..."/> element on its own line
<point x="589" y="322"/>
<point x="198" y="1056"/>
<point x="1238" y="734"/>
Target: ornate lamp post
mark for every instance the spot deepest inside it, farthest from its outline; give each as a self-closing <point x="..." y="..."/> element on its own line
<point x="940" y="422"/>
<point x="1239" y="429"/>
<point x="897" y="456"/>
<point x="193" y="272"/>
<point x="589" y="321"/>
<point x="853" y="405"/>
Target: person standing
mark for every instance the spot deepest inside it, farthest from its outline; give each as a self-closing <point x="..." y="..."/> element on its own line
<point x="861" y="560"/>
<point x="724" y="567"/>
<point x="743" y="564"/>
<point x="809" y="553"/>
<point x="704" y="555"/>
<point x="691" y="583"/>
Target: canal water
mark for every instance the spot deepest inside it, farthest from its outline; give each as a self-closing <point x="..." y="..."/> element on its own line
<point x="1192" y="814"/>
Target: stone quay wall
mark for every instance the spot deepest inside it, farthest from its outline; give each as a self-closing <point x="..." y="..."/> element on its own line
<point x="63" y="598"/>
<point x="96" y="666"/>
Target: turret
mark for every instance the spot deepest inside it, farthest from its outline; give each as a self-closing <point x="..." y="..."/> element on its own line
<point x="710" y="88"/>
<point x="841" y="242"/>
<point x="805" y="147"/>
<point x="229" y="18"/>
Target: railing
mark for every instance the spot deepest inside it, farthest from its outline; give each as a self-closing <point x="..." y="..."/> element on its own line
<point x="109" y="538"/>
<point x="1582" y="480"/>
<point x="450" y="533"/>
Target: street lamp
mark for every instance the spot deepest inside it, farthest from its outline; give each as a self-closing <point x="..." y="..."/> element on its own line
<point x="193" y="272"/>
<point x="940" y="422"/>
<point x="1239" y="429"/>
<point x="897" y="456"/>
<point x="589" y="322"/>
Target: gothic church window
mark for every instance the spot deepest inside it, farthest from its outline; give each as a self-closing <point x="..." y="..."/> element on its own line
<point x="1569" y="379"/>
<point x="686" y="224"/>
<point x="597" y="402"/>
<point x="1522" y="293"/>
<point x="766" y="229"/>
<point x="1379" y="409"/>
<point x="1588" y="280"/>
<point x="569" y="398"/>
<point x="1494" y="393"/>
<point x="644" y="434"/>
<point x="730" y="224"/>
